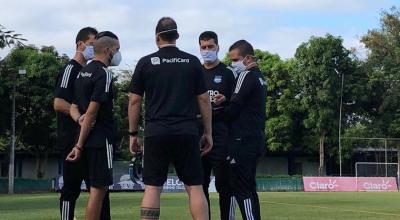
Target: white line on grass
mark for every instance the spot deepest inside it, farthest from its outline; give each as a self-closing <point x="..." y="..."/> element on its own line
<point x="323" y="207"/>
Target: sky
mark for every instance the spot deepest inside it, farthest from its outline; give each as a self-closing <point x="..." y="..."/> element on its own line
<point x="277" y="26"/>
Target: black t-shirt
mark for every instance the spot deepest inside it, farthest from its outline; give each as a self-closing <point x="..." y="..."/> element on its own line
<point x="66" y="127"/>
<point x="251" y="94"/>
<point x="219" y="80"/>
<point x="94" y="84"/>
<point x="171" y="81"/>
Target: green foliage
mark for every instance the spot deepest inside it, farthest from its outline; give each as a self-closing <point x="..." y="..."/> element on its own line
<point x="35" y="118"/>
<point x="9" y="38"/>
<point x="383" y="73"/>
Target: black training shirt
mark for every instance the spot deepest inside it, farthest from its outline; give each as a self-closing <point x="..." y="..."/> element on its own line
<point x="248" y="105"/>
<point x="171" y="81"/>
<point x="66" y="127"/>
<point x="94" y="84"/>
<point x="219" y="80"/>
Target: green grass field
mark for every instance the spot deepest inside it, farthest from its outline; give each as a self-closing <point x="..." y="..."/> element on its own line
<point x="279" y="205"/>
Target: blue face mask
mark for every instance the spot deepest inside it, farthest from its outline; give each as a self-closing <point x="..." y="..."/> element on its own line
<point x="116" y="59"/>
<point x="88" y="53"/>
<point x="238" y="67"/>
<point x="209" y="56"/>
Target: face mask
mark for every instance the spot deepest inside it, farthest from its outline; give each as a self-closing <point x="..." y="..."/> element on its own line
<point x="238" y="66"/>
<point x="88" y="53"/>
<point x="116" y="59"/>
<point x="209" y="56"/>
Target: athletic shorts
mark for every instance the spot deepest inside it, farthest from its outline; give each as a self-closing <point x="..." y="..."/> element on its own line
<point x="98" y="163"/>
<point x="182" y="150"/>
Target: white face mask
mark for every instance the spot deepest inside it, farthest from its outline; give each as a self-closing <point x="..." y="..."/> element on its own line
<point x="116" y="59"/>
<point x="238" y="66"/>
<point x="209" y="56"/>
<point x="88" y="52"/>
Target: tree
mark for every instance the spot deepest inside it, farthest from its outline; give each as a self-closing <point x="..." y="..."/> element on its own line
<point x="35" y="114"/>
<point x="281" y="103"/>
<point x="383" y="72"/>
<point x="9" y="38"/>
<point x="316" y="66"/>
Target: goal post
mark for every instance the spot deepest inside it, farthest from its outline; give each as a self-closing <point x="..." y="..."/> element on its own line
<point x="377" y="169"/>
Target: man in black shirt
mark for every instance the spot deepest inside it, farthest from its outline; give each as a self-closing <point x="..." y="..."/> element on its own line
<point x="93" y="97"/>
<point x="67" y="127"/>
<point x="173" y="84"/>
<point x="220" y="82"/>
<point x="246" y="111"/>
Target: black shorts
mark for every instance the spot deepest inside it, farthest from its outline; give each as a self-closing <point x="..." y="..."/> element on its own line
<point x="99" y="165"/>
<point x="182" y="150"/>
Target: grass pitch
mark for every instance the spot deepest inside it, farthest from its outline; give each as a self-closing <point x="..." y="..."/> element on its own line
<point x="274" y="206"/>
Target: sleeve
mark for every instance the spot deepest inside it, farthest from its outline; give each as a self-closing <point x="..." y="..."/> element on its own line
<point x="230" y="83"/>
<point x="102" y="87"/>
<point x="65" y="83"/>
<point x="137" y="83"/>
<point x="242" y="91"/>
<point x="199" y="83"/>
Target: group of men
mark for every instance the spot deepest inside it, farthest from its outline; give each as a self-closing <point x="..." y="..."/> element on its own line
<point x="203" y="118"/>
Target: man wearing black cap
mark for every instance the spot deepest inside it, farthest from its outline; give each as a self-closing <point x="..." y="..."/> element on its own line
<point x="246" y="112"/>
<point x="94" y="97"/>
<point x="174" y="89"/>
<point x="220" y="82"/>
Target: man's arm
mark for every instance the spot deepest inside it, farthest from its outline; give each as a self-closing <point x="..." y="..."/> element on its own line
<point x="74" y="112"/>
<point x="60" y="105"/>
<point x="90" y="118"/>
<point x="86" y="126"/>
<point x="203" y="101"/>
<point x="135" y="102"/>
<point x="243" y="89"/>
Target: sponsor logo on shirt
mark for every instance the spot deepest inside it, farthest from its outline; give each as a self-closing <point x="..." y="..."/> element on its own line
<point x="84" y="74"/>
<point x="218" y="79"/>
<point x="155" y="60"/>
<point x="175" y="60"/>
<point x="212" y="94"/>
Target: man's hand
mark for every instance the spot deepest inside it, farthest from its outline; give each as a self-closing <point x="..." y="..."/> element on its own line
<point x="206" y="144"/>
<point x="82" y="118"/>
<point x="219" y="99"/>
<point x="74" y="155"/>
<point x="133" y="144"/>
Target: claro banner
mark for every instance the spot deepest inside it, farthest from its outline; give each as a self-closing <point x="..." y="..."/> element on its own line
<point x="349" y="184"/>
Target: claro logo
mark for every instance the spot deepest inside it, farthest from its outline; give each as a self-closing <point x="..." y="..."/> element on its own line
<point x="323" y="186"/>
<point x="377" y="186"/>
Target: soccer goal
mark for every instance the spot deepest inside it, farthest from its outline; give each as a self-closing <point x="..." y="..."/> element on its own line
<point x="375" y="169"/>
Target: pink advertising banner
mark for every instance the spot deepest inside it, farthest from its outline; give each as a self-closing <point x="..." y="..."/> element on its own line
<point x="349" y="184"/>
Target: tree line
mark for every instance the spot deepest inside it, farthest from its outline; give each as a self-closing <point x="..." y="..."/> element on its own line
<point x="303" y="103"/>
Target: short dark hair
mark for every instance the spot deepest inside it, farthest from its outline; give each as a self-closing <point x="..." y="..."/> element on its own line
<point x="106" y="34"/>
<point x="104" y="39"/>
<point x="208" y="35"/>
<point x="84" y="34"/>
<point x="167" y="24"/>
<point x="244" y="48"/>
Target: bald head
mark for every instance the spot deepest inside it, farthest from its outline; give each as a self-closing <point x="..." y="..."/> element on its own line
<point x="105" y="42"/>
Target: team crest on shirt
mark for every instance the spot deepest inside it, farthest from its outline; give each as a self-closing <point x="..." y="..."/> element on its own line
<point x="218" y="79"/>
<point x="262" y="82"/>
<point x="155" y="61"/>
